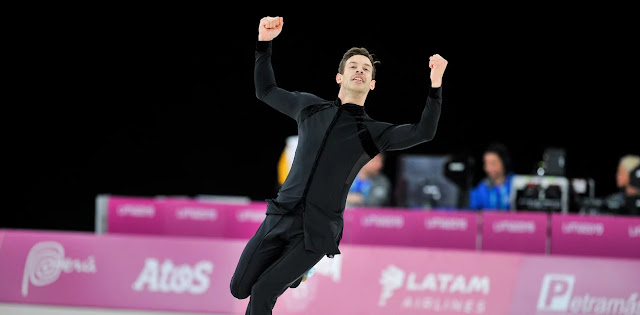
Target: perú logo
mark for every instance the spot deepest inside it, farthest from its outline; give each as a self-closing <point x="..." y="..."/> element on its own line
<point x="46" y="261"/>
<point x="394" y="278"/>
<point x="169" y="278"/>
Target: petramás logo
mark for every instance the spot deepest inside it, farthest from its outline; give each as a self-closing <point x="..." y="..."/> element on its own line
<point x="46" y="261"/>
<point x="557" y="295"/>
<point x="166" y="277"/>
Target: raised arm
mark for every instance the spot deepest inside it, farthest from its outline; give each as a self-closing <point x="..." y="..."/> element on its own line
<point x="288" y="103"/>
<point x="398" y="137"/>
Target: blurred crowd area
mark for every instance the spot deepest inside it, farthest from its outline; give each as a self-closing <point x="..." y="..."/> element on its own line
<point x="462" y="182"/>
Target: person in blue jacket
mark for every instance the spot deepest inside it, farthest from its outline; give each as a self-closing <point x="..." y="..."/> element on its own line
<point x="493" y="192"/>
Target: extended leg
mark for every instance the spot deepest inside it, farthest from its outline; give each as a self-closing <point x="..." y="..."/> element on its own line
<point x="283" y="273"/>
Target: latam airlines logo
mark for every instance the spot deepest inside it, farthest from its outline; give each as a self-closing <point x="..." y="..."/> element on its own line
<point x="438" y="292"/>
<point x="557" y="295"/>
<point x="46" y="261"/>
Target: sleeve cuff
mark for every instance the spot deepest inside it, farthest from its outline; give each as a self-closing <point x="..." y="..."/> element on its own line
<point x="263" y="46"/>
<point x="435" y="92"/>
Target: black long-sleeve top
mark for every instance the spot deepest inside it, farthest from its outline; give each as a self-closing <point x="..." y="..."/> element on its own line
<point x="334" y="141"/>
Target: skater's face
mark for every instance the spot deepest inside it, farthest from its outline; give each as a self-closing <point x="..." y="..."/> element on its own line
<point x="357" y="75"/>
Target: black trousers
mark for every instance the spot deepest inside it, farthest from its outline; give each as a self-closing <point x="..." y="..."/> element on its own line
<point x="273" y="260"/>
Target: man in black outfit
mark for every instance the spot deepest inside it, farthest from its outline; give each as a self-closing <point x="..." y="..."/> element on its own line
<point x="335" y="139"/>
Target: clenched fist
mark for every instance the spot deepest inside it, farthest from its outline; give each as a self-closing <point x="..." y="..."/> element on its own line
<point x="437" y="65"/>
<point x="269" y="28"/>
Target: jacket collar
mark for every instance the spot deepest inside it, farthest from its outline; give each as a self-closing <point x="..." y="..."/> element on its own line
<point x="353" y="109"/>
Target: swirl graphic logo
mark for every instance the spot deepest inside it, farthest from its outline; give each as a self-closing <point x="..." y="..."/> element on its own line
<point x="46" y="261"/>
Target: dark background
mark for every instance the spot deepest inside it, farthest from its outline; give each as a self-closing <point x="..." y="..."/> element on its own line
<point x="152" y="102"/>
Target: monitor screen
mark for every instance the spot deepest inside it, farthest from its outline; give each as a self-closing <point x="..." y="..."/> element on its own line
<point x="540" y="193"/>
<point x="431" y="182"/>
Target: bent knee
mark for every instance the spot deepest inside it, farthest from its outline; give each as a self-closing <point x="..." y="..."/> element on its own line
<point x="238" y="292"/>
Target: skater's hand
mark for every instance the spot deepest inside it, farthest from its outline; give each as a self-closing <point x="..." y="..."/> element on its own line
<point x="437" y="65"/>
<point x="270" y="28"/>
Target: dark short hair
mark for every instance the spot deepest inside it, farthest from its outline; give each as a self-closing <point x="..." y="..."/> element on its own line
<point x="501" y="150"/>
<point x="358" y="51"/>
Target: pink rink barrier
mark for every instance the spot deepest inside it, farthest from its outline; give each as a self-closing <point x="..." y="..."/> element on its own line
<point x="526" y="232"/>
<point x="395" y="227"/>
<point x="187" y="217"/>
<point x="573" y="234"/>
<point x="185" y="274"/>
<point x="515" y="231"/>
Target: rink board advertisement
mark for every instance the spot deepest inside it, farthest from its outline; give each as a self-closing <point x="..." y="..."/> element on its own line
<point x="515" y="231"/>
<point x="521" y="231"/>
<point x="118" y="271"/>
<point x="374" y="226"/>
<point x="175" y="216"/>
<point x="183" y="274"/>
<point x="604" y="235"/>
<point x="575" y="285"/>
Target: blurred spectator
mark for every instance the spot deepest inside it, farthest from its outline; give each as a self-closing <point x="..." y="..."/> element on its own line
<point x="624" y="202"/>
<point x="633" y="202"/>
<point x="493" y="191"/>
<point x="286" y="158"/>
<point x="371" y="187"/>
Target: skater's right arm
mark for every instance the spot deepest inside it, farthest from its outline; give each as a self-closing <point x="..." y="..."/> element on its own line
<point x="288" y="103"/>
